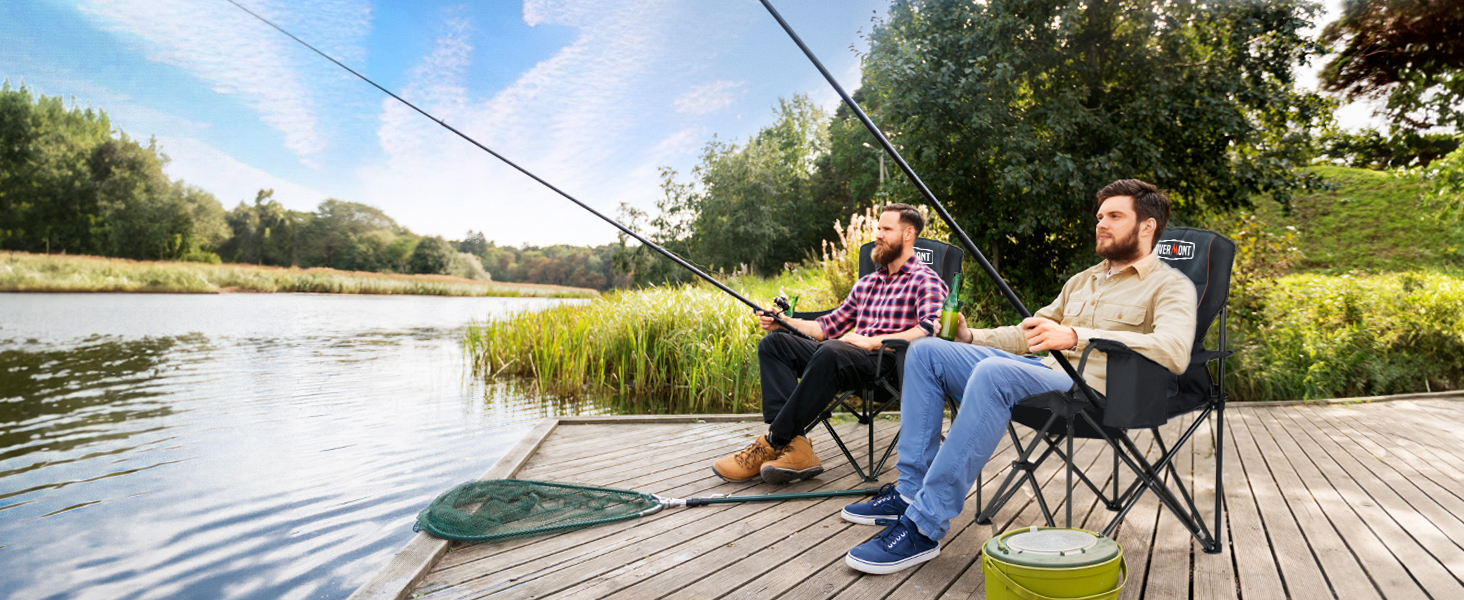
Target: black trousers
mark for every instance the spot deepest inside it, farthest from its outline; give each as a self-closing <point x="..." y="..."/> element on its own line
<point x="800" y="378"/>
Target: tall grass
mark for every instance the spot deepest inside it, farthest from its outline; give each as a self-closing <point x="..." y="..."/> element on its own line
<point x="689" y="348"/>
<point x="24" y="272"/>
<point x="1338" y="336"/>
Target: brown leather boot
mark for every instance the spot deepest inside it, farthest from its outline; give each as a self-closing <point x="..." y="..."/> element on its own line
<point x="795" y="462"/>
<point x="745" y="464"/>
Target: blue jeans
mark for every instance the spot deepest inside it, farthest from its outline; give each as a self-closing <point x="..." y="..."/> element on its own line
<point x="987" y="383"/>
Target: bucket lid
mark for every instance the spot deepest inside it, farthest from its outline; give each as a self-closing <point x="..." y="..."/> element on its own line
<point x="1052" y="548"/>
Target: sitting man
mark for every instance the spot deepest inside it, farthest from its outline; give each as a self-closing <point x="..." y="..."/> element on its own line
<point x="900" y="300"/>
<point x="1131" y="297"/>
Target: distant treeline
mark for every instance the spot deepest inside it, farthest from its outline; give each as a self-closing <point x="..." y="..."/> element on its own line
<point x="70" y="183"/>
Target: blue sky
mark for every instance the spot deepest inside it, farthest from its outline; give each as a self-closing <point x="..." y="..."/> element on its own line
<point x="591" y="95"/>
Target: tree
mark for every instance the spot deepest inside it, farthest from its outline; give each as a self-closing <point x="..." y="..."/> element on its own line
<point x="48" y="202"/>
<point x="1016" y="111"/>
<point x="433" y="255"/>
<point x="1409" y="51"/>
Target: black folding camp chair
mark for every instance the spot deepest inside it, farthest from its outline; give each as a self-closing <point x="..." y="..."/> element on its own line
<point x="1142" y="394"/>
<point x="883" y="392"/>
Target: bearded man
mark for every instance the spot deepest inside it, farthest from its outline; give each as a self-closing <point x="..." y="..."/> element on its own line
<point x="1131" y="297"/>
<point x="899" y="300"/>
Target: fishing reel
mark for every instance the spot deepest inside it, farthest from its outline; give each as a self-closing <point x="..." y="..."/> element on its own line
<point x="782" y="303"/>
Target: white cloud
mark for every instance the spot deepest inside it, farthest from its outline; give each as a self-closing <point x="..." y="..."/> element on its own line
<point x="708" y="98"/>
<point x="239" y="56"/>
<point x="572" y="119"/>
<point x="229" y="179"/>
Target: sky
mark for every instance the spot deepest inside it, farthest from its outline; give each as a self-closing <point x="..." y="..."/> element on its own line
<point x="591" y="95"/>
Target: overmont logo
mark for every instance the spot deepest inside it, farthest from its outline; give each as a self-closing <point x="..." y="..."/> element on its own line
<point x="1176" y="250"/>
<point x="926" y="256"/>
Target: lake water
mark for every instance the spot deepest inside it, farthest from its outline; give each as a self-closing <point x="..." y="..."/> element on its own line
<point x="235" y="446"/>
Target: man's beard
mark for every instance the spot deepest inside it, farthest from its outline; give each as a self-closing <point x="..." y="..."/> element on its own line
<point x="884" y="255"/>
<point x="1124" y="250"/>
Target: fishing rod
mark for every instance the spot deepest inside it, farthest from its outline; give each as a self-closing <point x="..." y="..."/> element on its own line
<point x="664" y="252"/>
<point x="1001" y="284"/>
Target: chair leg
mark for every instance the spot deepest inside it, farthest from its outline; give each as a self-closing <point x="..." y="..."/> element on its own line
<point x="1068" y="462"/>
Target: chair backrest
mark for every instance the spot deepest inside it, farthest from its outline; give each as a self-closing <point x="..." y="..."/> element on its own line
<point x="941" y="257"/>
<point x="1206" y="258"/>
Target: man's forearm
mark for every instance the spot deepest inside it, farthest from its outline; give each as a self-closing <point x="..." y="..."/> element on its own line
<point x="909" y="335"/>
<point x="811" y="328"/>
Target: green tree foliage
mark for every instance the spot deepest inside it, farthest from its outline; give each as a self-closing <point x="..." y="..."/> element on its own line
<point x="266" y="233"/>
<point x="433" y="255"/>
<point x="1409" y="51"/>
<point x="578" y="266"/>
<point x="751" y="202"/>
<point x="757" y="205"/>
<point x="67" y="184"/>
<point x="356" y="237"/>
<point x="1370" y="149"/>
<point x="1016" y="111"/>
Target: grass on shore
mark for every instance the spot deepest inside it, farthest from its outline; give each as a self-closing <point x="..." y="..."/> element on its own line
<point x="693" y="348"/>
<point x="25" y="272"/>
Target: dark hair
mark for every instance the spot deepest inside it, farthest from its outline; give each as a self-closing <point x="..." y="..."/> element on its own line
<point x="1150" y="202"/>
<point x="908" y="215"/>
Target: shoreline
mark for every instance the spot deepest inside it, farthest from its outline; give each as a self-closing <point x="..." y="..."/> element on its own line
<point x="23" y="272"/>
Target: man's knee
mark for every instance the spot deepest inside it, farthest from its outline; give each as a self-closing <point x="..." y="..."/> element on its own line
<point x="992" y="378"/>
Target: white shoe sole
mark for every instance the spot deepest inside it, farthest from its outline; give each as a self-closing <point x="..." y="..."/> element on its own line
<point x="863" y="519"/>
<point x="894" y="567"/>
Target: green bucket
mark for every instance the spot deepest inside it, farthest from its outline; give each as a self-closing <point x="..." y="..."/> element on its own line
<point x="1053" y="563"/>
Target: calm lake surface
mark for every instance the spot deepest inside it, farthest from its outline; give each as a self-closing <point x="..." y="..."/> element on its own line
<point x="235" y="446"/>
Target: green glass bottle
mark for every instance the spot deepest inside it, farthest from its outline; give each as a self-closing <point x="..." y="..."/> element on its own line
<point x="949" y="310"/>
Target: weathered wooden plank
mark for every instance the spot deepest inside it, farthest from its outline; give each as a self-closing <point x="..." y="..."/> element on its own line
<point x="412" y="563"/>
<point x="695" y="481"/>
<point x="1391" y="493"/>
<point x="1214" y="574"/>
<point x="1385" y="549"/>
<point x="552" y="573"/>
<point x="1271" y="543"/>
<point x="1170" y="558"/>
<point x="676" y="567"/>
<point x="1335" y="555"/>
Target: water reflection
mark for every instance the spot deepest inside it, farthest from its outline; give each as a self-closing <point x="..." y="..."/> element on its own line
<point x="271" y="446"/>
<point x="58" y="399"/>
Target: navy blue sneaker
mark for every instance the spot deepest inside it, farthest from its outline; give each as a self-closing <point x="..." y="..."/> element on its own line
<point x="888" y="505"/>
<point x="895" y="549"/>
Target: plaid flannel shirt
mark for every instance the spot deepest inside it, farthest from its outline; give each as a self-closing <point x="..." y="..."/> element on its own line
<point x="881" y="303"/>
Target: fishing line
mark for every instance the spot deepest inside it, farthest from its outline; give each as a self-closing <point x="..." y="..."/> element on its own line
<point x="1001" y="284"/>
<point x="664" y="252"/>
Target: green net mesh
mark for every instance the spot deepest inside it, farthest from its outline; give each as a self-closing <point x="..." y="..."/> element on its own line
<point x="501" y="509"/>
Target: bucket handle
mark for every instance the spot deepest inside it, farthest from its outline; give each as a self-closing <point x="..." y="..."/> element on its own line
<point x="1025" y="594"/>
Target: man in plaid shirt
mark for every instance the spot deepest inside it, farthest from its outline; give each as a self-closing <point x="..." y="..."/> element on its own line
<point x="900" y="300"/>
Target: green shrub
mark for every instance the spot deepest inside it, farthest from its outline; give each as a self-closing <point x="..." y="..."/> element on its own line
<point x="1336" y="336"/>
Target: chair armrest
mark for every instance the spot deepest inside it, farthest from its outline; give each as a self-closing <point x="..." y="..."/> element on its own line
<point x="887" y="345"/>
<point x="1200" y="358"/>
<point x="1138" y="387"/>
<point x="813" y="314"/>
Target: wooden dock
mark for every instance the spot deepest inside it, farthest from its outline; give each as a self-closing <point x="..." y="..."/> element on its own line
<point x="1362" y="500"/>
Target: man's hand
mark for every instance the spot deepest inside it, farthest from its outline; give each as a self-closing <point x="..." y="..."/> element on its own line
<point x="765" y="320"/>
<point x="860" y="341"/>
<point x="1046" y="334"/>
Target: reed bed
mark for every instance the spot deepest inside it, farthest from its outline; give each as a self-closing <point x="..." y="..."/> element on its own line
<point x="682" y="349"/>
<point x="25" y="272"/>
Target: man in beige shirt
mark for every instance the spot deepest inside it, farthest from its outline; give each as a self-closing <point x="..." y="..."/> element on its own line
<point x="1130" y="297"/>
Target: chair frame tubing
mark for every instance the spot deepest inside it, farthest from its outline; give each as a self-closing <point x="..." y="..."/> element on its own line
<point x="1148" y="477"/>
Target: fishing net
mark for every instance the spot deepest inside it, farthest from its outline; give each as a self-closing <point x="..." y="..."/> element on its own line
<point x="501" y="509"/>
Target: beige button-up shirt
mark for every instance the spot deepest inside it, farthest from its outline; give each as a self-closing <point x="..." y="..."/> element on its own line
<point x="1148" y="306"/>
